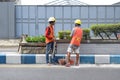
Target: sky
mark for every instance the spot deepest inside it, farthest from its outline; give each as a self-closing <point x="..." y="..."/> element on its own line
<point x="91" y="2"/>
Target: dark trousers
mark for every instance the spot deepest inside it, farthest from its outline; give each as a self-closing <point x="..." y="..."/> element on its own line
<point x="49" y="49"/>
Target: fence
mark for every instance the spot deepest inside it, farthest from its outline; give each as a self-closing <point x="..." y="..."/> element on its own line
<point x="32" y="19"/>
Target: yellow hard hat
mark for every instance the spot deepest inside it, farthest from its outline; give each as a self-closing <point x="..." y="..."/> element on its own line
<point x="77" y="21"/>
<point x="51" y="19"/>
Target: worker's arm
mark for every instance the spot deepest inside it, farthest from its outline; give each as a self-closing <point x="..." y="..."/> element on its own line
<point x="72" y="33"/>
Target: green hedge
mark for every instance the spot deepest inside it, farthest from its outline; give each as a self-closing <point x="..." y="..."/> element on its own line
<point x="35" y="39"/>
<point x="106" y="29"/>
<point x="66" y="34"/>
<point x="86" y="33"/>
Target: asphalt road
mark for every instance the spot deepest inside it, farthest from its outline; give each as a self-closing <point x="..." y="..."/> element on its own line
<point x="38" y="72"/>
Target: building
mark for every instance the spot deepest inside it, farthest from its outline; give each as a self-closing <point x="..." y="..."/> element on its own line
<point x="16" y="20"/>
<point x="16" y="1"/>
<point x="7" y="0"/>
<point x="66" y="2"/>
<point x="118" y="3"/>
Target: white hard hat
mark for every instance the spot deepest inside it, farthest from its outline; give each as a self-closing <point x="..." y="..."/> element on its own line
<point x="51" y="19"/>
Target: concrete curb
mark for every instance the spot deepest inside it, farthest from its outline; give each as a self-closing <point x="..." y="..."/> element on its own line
<point x="40" y="59"/>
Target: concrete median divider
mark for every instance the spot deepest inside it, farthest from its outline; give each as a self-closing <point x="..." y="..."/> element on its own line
<point x="40" y="59"/>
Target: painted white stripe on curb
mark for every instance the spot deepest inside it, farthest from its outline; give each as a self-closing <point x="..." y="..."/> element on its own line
<point x="40" y="59"/>
<point x="13" y="58"/>
<point x="99" y="59"/>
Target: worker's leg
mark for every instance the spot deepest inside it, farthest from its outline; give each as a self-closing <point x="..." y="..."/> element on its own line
<point x="53" y="55"/>
<point x="77" y="59"/>
<point x="68" y="60"/>
<point x="69" y="50"/>
<point x="52" y="45"/>
<point x="68" y="57"/>
<point x="48" y="48"/>
<point x="77" y="56"/>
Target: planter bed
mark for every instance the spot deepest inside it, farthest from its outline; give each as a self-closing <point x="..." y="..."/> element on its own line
<point x="94" y="46"/>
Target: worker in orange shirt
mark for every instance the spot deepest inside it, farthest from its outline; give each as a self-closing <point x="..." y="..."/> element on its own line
<point x="49" y="35"/>
<point x="74" y="45"/>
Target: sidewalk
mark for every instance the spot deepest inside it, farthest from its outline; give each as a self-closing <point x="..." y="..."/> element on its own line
<point x="9" y="45"/>
<point x="9" y="42"/>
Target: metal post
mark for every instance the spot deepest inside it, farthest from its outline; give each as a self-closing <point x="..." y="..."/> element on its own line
<point x="22" y="18"/>
<point x="28" y="20"/>
<point x="36" y="21"/>
<point x="62" y="18"/>
<point x="71" y="18"/>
